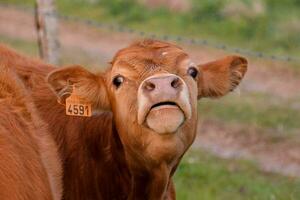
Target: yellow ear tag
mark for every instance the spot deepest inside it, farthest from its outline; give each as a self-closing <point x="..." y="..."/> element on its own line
<point x="76" y="106"/>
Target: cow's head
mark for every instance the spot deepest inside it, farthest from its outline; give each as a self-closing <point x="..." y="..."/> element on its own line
<point x="152" y="89"/>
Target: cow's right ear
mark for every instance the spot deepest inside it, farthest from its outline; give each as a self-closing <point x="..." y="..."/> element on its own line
<point x="88" y="86"/>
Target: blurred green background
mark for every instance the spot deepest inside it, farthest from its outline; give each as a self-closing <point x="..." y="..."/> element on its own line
<point x="262" y="122"/>
<point x="265" y="25"/>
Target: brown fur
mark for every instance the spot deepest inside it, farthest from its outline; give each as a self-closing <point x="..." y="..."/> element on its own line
<point x="110" y="156"/>
<point x="29" y="164"/>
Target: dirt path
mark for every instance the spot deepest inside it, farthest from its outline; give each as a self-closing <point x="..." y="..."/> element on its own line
<point x="226" y="141"/>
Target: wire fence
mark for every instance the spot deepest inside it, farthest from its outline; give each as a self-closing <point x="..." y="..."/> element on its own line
<point x="166" y="37"/>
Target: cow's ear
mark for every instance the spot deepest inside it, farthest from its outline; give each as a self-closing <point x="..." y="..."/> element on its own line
<point x="88" y="86"/>
<point x="219" y="77"/>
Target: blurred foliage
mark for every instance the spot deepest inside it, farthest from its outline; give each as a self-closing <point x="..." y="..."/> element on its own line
<point x="203" y="176"/>
<point x="206" y="10"/>
<point x="270" y="26"/>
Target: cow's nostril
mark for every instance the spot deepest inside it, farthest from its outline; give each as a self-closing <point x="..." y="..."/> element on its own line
<point x="149" y="86"/>
<point x="175" y="83"/>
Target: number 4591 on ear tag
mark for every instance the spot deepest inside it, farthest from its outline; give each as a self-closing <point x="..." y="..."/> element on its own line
<point x="78" y="107"/>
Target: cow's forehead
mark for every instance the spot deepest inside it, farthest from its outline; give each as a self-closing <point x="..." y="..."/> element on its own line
<point x="143" y="57"/>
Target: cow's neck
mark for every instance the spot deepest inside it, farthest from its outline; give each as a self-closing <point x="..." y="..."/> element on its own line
<point x="90" y="149"/>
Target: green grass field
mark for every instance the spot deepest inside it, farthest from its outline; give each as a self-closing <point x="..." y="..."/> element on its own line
<point x="29" y="48"/>
<point x="255" y="109"/>
<point x="202" y="176"/>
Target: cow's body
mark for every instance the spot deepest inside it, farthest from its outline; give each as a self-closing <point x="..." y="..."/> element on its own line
<point x="29" y="164"/>
<point x="94" y="166"/>
<point x="114" y="154"/>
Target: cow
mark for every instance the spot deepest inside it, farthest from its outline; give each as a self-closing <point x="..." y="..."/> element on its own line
<point x="30" y="167"/>
<point x="144" y="116"/>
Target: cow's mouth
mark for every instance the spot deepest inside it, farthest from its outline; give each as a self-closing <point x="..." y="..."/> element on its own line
<point x="165" y="117"/>
<point x="164" y="104"/>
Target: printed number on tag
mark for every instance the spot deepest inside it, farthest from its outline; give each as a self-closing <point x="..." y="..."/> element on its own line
<point x="76" y="106"/>
<point x="78" y="110"/>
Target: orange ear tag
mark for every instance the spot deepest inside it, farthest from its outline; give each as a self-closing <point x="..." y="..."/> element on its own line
<point x="76" y="106"/>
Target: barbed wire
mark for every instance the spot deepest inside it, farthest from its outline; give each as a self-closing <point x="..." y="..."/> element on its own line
<point x="166" y="37"/>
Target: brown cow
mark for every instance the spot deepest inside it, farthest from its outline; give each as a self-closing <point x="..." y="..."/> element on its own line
<point x="144" y="116"/>
<point x="29" y="164"/>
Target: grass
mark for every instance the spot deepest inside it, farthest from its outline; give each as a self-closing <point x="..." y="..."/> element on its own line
<point x="203" y="176"/>
<point x="27" y="47"/>
<point x="68" y="56"/>
<point x="253" y="109"/>
<point x="274" y="30"/>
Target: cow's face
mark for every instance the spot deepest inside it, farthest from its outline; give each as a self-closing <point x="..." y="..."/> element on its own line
<point x="152" y="89"/>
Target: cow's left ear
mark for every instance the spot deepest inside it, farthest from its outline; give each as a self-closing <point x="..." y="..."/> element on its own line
<point x="219" y="77"/>
<point x="88" y="86"/>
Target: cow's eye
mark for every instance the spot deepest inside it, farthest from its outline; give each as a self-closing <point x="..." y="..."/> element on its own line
<point x="118" y="80"/>
<point x="193" y="72"/>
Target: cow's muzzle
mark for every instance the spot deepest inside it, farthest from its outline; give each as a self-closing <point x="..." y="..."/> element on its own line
<point x="163" y="103"/>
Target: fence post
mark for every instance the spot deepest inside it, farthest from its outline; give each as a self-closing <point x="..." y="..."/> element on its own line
<point x="47" y="31"/>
